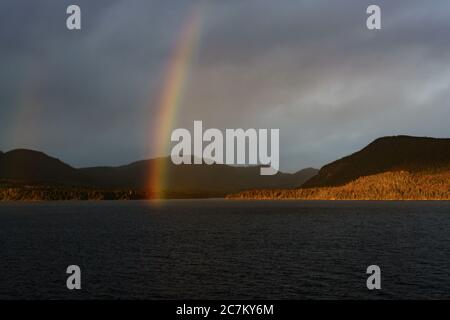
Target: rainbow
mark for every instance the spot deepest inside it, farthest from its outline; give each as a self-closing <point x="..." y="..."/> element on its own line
<point x="175" y="78"/>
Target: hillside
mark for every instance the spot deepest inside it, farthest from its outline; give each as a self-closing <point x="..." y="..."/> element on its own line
<point x="399" y="167"/>
<point x="43" y="175"/>
<point x="390" y="168"/>
<point x="412" y="154"/>
<point x="29" y="166"/>
<point x="211" y="180"/>
<point x="399" y="185"/>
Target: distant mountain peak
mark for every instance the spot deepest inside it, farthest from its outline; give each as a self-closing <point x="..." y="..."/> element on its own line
<point x="384" y="154"/>
<point x="25" y="166"/>
<point x="35" y="167"/>
<point x="22" y="151"/>
<point x="403" y="138"/>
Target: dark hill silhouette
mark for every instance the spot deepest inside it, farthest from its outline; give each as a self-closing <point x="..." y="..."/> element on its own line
<point x="32" y="167"/>
<point x="219" y="178"/>
<point x="134" y="175"/>
<point x="213" y="180"/>
<point x="29" y="166"/>
<point x="396" y="153"/>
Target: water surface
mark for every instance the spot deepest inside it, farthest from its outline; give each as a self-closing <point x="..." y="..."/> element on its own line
<point x="219" y="249"/>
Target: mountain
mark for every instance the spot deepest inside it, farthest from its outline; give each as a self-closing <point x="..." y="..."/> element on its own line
<point x="387" y="154"/>
<point x="389" y="168"/>
<point x="26" y="167"/>
<point x="29" y="166"/>
<point x="218" y="179"/>
<point x="133" y="176"/>
<point x="397" y="185"/>
<point x="211" y="180"/>
<point x="398" y="167"/>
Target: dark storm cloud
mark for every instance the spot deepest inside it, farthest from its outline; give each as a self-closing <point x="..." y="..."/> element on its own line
<point x="316" y="72"/>
<point x="310" y="68"/>
<point x="90" y="90"/>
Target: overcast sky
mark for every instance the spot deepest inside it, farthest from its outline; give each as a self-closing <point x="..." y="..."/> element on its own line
<point x="310" y="68"/>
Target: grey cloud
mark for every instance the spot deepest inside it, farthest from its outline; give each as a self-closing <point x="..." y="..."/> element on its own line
<point x="310" y="68"/>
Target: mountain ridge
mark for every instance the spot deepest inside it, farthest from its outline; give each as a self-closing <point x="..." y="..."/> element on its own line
<point x="391" y="153"/>
<point x="21" y="167"/>
<point x="388" y="168"/>
<point x="35" y="166"/>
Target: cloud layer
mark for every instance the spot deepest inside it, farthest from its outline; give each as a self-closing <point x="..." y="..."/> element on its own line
<point x="310" y="68"/>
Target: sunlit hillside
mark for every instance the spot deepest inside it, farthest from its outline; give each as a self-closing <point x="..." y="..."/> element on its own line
<point x="400" y="185"/>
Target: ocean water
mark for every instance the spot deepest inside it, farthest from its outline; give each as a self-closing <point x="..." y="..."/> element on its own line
<point x="218" y="249"/>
